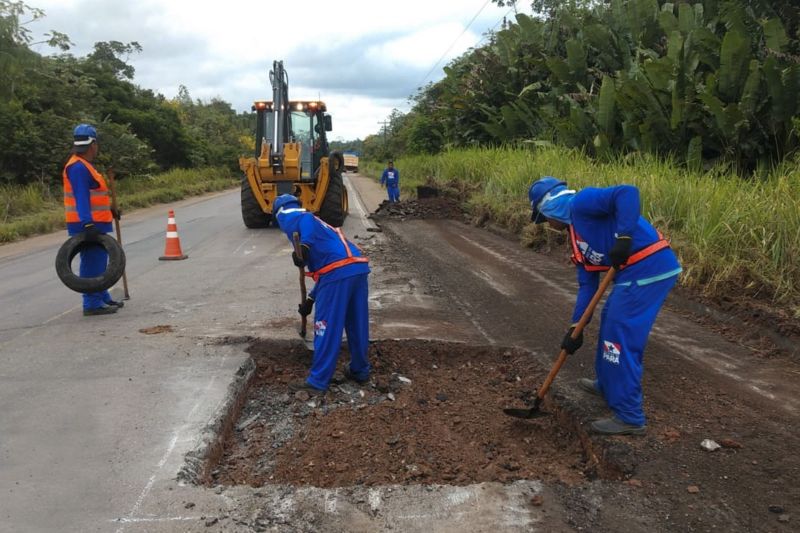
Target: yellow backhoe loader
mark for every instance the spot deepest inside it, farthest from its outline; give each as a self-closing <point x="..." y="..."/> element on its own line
<point x="292" y="157"/>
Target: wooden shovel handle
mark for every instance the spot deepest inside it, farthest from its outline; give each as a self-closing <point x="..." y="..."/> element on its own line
<point x="303" y="292"/>
<point x="113" y="189"/>
<point x="587" y="314"/>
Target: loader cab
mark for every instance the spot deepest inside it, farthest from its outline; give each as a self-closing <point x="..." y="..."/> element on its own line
<point x="306" y="123"/>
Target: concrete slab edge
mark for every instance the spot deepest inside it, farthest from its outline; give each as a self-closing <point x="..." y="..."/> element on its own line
<point x="213" y="435"/>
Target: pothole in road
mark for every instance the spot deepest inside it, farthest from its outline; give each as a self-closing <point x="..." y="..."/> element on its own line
<point x="431" y="414"/>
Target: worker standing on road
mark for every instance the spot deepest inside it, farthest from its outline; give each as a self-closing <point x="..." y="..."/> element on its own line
<point x="340" y="292"/>
<point x="87" y="203"/>
<point x="606" y="230"/>
<point x="391" y="179"/>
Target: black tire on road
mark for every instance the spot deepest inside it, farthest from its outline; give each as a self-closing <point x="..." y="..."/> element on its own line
<point x="333" y="210"/>
<point x="73" y="246"/>
<point x="252" y="215"/>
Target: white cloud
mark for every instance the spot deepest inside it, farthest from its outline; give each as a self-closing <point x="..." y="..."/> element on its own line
<point x="363" y="58"/>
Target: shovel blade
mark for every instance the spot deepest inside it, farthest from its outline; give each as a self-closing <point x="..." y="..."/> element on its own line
<point x="526" y="414"/>
<point x="308" y="343"/>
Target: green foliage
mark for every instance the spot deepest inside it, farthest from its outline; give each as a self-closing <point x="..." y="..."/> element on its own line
<point x="698" y="81"/>
<point x="140" y="132"/>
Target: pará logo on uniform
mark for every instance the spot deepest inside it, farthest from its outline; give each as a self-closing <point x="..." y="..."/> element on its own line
<point x="611" y="352"/>
<point x="592" y="256"/>
<point x="319" y="328"/>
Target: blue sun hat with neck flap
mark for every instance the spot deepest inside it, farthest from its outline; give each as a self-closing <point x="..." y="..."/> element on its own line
<point x="550" y="198"/>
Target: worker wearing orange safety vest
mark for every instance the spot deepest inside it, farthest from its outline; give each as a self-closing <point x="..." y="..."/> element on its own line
<point x="340" y="293"/>
<point x="606" y="230"/>
<point x="87" y="204"/>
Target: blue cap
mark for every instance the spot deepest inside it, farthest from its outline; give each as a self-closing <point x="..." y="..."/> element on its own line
<point x="537" y="191"/>
<point x="282" y="201"/>
<point x="83" y="137"/>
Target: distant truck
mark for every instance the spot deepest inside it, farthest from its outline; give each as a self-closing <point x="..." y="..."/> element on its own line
<point x="350" y="161"/>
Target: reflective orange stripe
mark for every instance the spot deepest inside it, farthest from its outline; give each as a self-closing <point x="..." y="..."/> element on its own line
<point x="99" y="198"/>
<point x="336" y="264"/>
<point x="349" y="260"/>
<point x="577" y="258"/>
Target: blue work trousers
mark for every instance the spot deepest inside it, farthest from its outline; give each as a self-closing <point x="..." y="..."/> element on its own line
<point x="626" y="321"/>
<point x="341" y="305"/>
<point x="394" y="193"/>
<point x="94" y="261"/>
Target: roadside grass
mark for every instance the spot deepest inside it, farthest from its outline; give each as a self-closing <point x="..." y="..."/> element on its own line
<point x="32" y="209"/>
<point x="733" y="235"/>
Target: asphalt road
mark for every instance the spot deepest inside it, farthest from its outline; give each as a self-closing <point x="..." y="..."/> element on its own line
<point x="96" y="415"/>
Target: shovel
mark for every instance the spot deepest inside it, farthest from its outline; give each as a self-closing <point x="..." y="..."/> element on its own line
<point x="303" y="293"/>
<point x="113" y="191"/>
<point x="535" y="412"/>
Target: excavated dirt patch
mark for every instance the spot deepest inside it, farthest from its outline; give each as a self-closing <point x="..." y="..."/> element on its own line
<point x="432" y="413"/>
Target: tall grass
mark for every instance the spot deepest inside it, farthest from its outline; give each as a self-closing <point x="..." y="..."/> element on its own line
<point x="733" y="235"/>
<point x="29" y="210"/>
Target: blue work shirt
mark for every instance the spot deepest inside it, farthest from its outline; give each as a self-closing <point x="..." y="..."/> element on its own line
<point x="391" y="177"/>
<point x="324" y="244"/>
<point x="599" y="216"/>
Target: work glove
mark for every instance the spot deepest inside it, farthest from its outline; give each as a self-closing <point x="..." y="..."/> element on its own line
<point x="305" y="308"/>
<point x="300" y="261"/>
<point x="91" y="232"/>
<point x="621" y="251"/>
<point x="116" y="213"/>
<point x="571" y="345"/>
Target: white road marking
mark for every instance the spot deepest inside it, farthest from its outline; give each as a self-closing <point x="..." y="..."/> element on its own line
<point x="170" y="447"/>
<point x="165" y="519"/>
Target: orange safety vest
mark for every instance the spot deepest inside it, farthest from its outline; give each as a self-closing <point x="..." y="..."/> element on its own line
<point x="349" y="260"/>
<point x="577" y="257"/>
<point x="99" y="198"/>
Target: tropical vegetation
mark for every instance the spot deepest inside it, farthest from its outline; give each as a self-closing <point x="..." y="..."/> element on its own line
<point x="702" y="82"/>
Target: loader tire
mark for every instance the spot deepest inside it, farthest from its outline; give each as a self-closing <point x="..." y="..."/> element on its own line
<point x="252" y="214"/>
<point x="73" y="246"/>
<point x="333" y="210"/>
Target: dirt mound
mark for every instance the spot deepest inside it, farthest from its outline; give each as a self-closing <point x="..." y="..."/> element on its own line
<point x="431" y="414"/>
<point x="435" y="207"/>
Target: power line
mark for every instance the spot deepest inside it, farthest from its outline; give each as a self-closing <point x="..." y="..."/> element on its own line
<point x="453" y="43"/>
<point x="496" y="24"/>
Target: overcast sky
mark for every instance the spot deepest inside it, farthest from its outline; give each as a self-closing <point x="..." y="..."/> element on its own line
<point x="363" y="58"/>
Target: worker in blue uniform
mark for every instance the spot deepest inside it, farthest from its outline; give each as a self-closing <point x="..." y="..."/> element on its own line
<point x="340" y="293"/>
<point x="391" y="179"/>
<point x="606" y="230"/>
<point x="87" y="206"/>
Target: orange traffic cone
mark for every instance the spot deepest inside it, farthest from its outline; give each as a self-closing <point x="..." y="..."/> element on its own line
<point x="172" y="251"/>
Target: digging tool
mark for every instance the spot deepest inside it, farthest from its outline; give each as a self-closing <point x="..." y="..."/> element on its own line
<point x="114" y="206"/>
<point x="303" y="294"/>
<point x="535" y="411"/>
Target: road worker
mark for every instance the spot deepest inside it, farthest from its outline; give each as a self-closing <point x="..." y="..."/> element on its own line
<point x="391" y="179"/>
<point x="340" y="293"/>
<point x="606" y="230"/>
<point x="87" y="203"/>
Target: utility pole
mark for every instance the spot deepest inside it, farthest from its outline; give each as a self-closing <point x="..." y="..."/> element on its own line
<point x="385" y="122"/>
<point x="385" y="128"/>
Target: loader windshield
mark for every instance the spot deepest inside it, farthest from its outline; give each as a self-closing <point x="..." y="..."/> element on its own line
<point x="304" y="134"/>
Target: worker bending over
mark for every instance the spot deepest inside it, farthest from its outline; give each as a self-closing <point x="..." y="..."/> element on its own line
<point x="341" y="293"/>
<point x="606" y="230"/>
